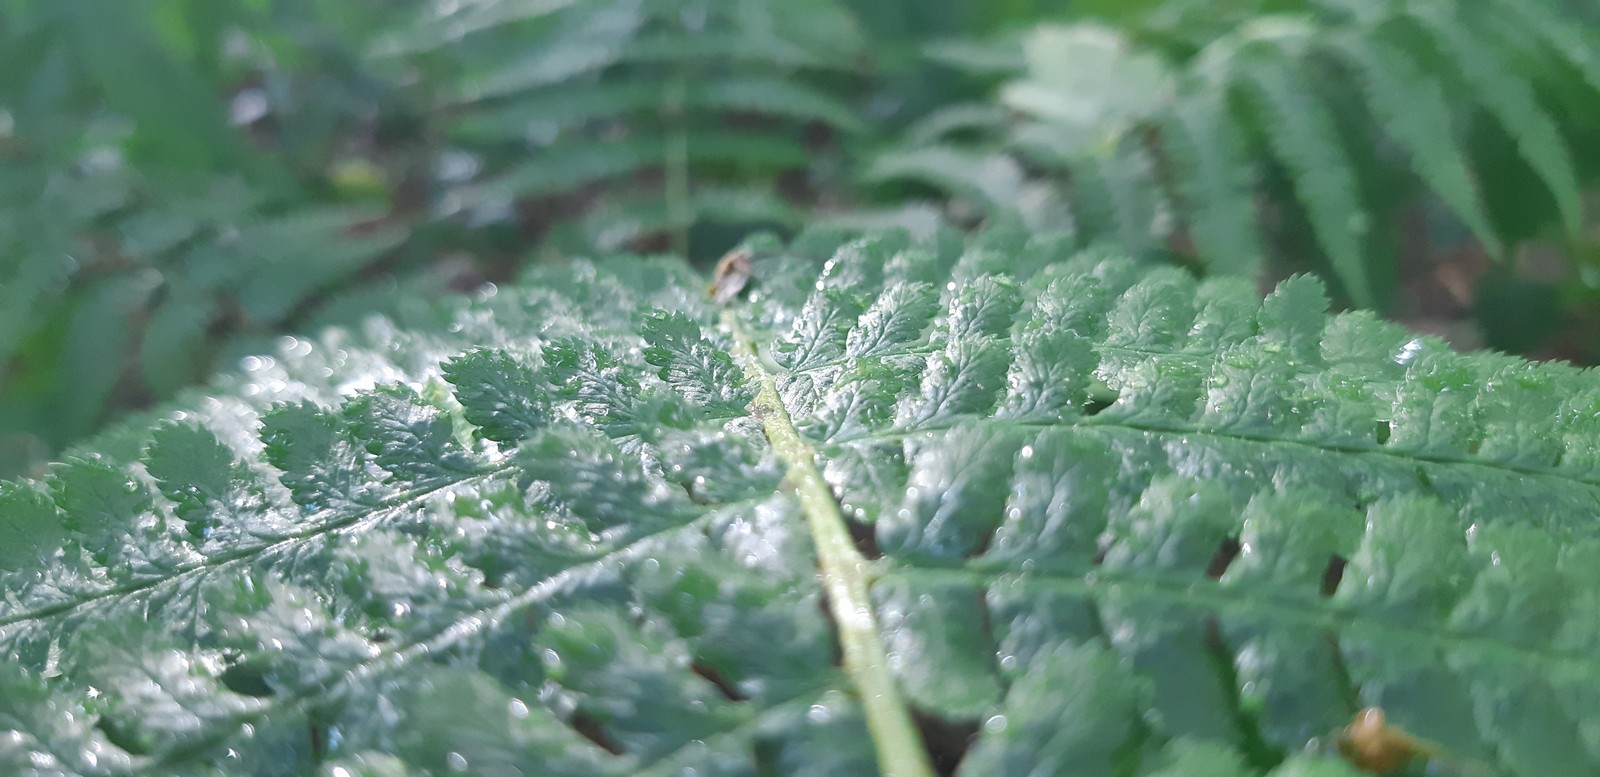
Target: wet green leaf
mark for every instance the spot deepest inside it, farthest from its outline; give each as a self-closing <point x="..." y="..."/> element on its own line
<point x="998" y="508"/>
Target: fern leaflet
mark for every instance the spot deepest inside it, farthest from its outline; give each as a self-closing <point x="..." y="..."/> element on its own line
<point x="1088" y="512"/>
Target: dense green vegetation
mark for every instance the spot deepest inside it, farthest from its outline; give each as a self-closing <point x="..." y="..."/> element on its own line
<point x="398" y="434"/>
<point x="186" y="180"/>
<point x="1006" y="507"/>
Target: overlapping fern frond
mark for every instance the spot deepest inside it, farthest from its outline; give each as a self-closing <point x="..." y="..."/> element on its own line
<point x="190" y="179"/>
<point x="636" y="118"/>
<point x="1168" y="133"/>
<point x="140" y="297"/>
<point x="140" y="236"/>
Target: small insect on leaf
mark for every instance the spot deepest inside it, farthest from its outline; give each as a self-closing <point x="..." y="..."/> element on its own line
<point x="731" y="276"/>
<point x="1374" y="746"/>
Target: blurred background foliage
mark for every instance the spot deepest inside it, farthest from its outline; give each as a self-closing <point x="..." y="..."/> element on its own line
<point x="184" y="182"/>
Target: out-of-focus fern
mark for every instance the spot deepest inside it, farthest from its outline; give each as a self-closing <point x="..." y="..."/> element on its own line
<point x="140" y="235"/>
<point x="635" y="119"/>
<point x="1059" y="508"/>
<point x="1166" y="132"/>
<point x="139" y="298"/>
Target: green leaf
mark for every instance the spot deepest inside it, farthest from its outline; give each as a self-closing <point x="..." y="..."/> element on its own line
<point x="436" y="28"/>
<point x="1087" y="83"/>
<point x="207" y="486"/>
<point x="1412" y="109"/>
<point x="318" y="461"/>
<point x="991" y="181"/>
<point x="992" y="507"/>
<point x="1202" y="759"/>
<point x="695" y="368"/>
<point x="574" y="166"/>
<point x="599" y="386"/>
<point x="1214" y="182"/>
<point x="579" y="43"/>
<point x="169" y="701"/>
<point x="1512" y="103"/>
<point x="414" y="441"/>
<point x="896" y="319"/>
<point x="1085" y="732"/>
<point x="1572" y="42"/>
<point x="178" y="112"/>
<point x="777" y="97"/>
<point x="500" y="394"/>
<point x="30" y="528"/>
<point x="1302" y="135"/>
<point x="1118" y="198"/>
<point x="91" y="357"/>
<point x="453" y="713"/>
<point x="173" y="352"/>
<point x="100" y="503"/>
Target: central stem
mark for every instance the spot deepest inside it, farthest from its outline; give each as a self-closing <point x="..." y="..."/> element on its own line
<point x="844" y="577"/>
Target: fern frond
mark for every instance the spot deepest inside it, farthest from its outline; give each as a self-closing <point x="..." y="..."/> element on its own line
<point x="1306" y="92"/>
<point x="744" y="205"/>
<point x="1511" y="102"/>
<point x="309" y="253"/>
<point x="991" y="181"/>
<point x="776" y="97"/>
<point x="727" y="46"/>
<point x="1575" y="44"/>
<point x="570" y="167"/>
<point x="952" y="119"/>
<point x="562" y="108"/>
<point x="1087" y="77"/>
<point x="595" y="102"/>
<point x="439" y="27"/>
<point x="1149" y="524"/>
<point x="1302" y="135"/>
<point x="1118" y="196"/>
<point x="563" y="56"/>
<point x="582" y="39"/>
<point x="559" y="108"/>
<point x="1412" y="109"/>
<point x="175" y="339"/>
<point x="1201" y="140"/>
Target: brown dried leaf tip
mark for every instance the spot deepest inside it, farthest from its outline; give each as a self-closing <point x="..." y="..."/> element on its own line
<point x="1376" y="747"/>
<point x="731" y="276"/>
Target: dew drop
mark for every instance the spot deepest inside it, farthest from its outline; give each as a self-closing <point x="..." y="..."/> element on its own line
<point x="1408" y="352"/>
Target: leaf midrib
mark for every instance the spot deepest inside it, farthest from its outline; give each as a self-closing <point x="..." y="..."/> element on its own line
<point x="230" y="558"/>
<point x="1195" y="430"/>
<point x="845" y="575"/>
